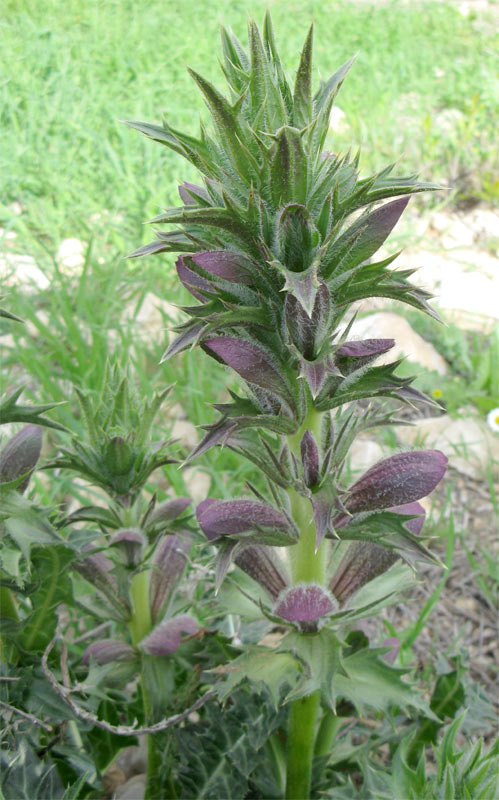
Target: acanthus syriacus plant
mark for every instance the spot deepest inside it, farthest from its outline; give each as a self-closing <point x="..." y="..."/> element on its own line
<point x="275" y="246"/>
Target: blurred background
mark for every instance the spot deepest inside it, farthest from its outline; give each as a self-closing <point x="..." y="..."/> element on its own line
<point x="77" y="186"/>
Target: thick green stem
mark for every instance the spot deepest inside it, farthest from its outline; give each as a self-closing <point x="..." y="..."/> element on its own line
<point x="308" y="565"/>
<point x="301" y="741"/>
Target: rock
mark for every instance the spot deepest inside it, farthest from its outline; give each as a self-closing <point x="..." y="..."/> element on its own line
<point x="386" y="325"/>
<point x="133" y="759"/>
<point x="454" y="231"/>
<point x="197" y="483"/>
<point x="153" y="315"/>
<point x="113" y="777"/>
<point x="185" y="433"/>
<point x="71" y="254"/>
<point x="467" y="442"/>
<point x="485" y="224"/>
<point x="133" y="789"/>
<point x="472" y="295"/>
<point x="337" y="121"/>
<point x="18" y="268"/>
<point x="363" y="454"/>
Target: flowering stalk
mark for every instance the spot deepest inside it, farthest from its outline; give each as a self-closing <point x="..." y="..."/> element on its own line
<point x="274" y="247"/>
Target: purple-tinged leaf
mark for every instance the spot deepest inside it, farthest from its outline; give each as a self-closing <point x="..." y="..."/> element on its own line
<point x="365" y="348"/>
<point x="307" y="332"/>
<point x="251" y="361"/>
<point x="314" y="373"/>
<point x="362" y="562"/>
<point x="363" y="238"/>
<point x="183" y="340"/>
<point x="192" y="281"/>
<point x="19" y="455"/>
<point x="394" y="644"/>
<point x="131" y="543"/>
<point x="189" y="192"/>
<point x="310" y="459"/>
<point x="219" y="433"/>
<point x="226" y="553"/>
<point x="260" y="564"/>
<point x="108" y="650"/>
<point x="303" y="286"/>
<point x="168" y="566"/>
<point x="166" y="637"/>
<point x="306" y="602"/>
<point x="397" y="480"/>
<point x="412" y="525"/>
<point x="232" y="267"/>
<point x="150" y="249"/>
<point x="97" y="569"/>
<point x="169" y="509"/>
<point x="324" y="504"/>
<point x="231" y="517"/>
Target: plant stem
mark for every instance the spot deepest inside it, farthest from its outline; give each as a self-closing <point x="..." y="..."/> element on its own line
<point x="139" y="626"/>
<point x="326" y="734"/>
<point x="301" y="741"/>
<point x="307" y="564"/>
<point x="7" y="609"/>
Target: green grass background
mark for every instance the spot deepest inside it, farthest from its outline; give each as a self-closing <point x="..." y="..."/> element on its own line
<point x="73" y="68"/>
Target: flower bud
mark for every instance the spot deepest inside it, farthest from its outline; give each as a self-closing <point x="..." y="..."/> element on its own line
<point x="230" y="517"/>
<point x="305" y="603"/>
<point x="310" y="459"/>
<point x="131" y="543"/>
<point x="362" y="562"/>
<point x="119" y="455"/>
<point x="108" y="650"/>
<point x="397" y="480"/>
<point x="169" y="510"/>
<point x="166" y="637"/>
<point x="20" y="454"/>
<point x="259" y="563"/>
<point x="168" y="566"/>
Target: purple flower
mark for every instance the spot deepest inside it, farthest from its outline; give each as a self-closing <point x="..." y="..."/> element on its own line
<point x="108" y="650"/>
<point x="218" y="518"/>
<point x="362" y="562"/>
<point x="168" y="566"/>
<point x="397" y="480"/>
<point x="310" y="459"/>
<point x="305" y="603"/>
<point x="166" y="637"/>
<point x="19" y="455"/>
<point x="252" y="362"/>
<point x="131" y="543"/>
<point x="260" y="564"/>
<point x="169" y="509"/>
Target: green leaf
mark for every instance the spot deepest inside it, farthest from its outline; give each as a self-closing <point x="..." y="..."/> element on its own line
<point x="302" y="95"/>
<point x="320" y="655"/>
<point x="49" y="566"/>
<point x="369" y="682"/>
<point x="218" y="756"/>
<point x="261" y="666"/>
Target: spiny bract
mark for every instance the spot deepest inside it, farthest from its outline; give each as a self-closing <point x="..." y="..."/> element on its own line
<point x="268" y="244"/>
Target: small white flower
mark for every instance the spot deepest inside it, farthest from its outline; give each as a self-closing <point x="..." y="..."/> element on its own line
<point x="493" y="419"/>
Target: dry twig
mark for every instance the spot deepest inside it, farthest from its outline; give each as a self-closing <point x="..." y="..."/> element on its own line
<point x="64" y="692"/>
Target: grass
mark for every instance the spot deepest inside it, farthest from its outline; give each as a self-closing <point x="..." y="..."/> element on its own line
<point x="76" y="172"/>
